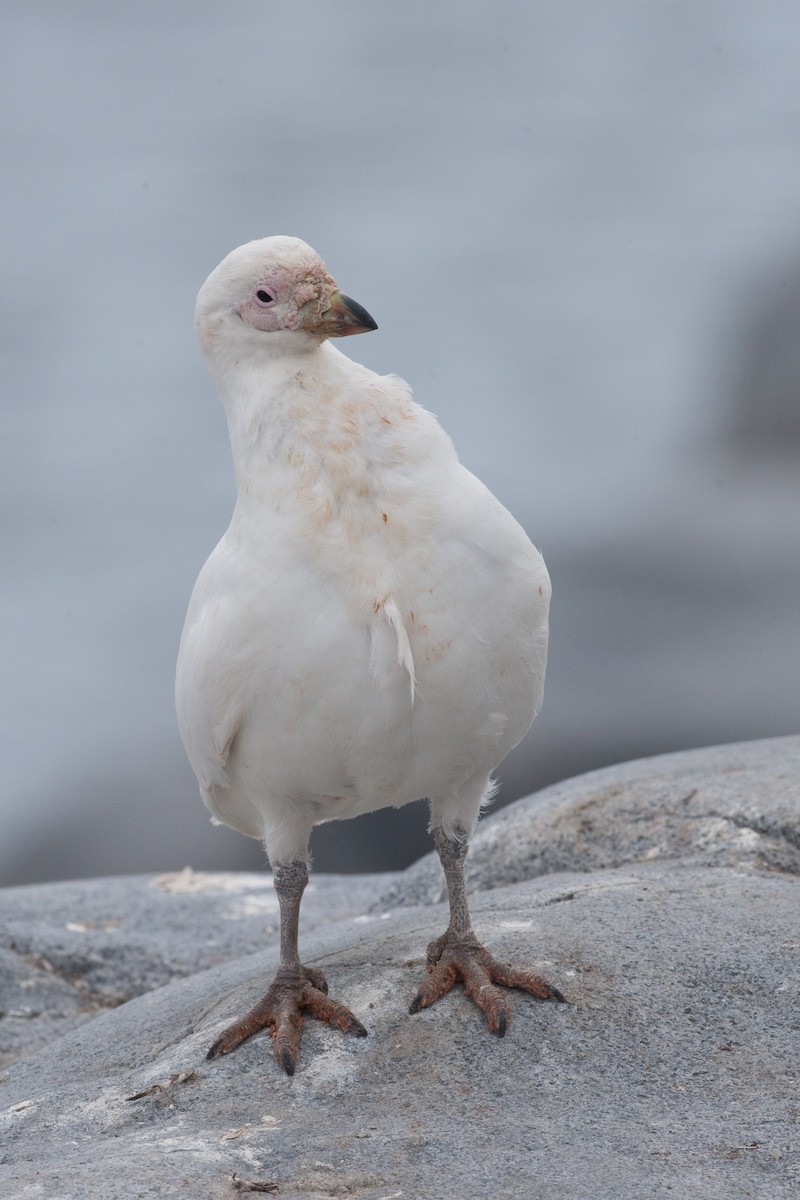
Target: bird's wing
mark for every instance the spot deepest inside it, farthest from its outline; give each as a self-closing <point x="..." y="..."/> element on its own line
<point x="208" y="718"/>
<point x="208" y="704"/>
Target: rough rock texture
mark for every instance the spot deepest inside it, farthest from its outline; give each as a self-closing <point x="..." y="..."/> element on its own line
<point x="69" y="950"/>
<point x="721" y="806"/>
<point x="671" y="1073"/>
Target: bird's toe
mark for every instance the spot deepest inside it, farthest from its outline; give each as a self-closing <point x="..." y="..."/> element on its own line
<point x="483" y="977"/>
<point x="293" y="995"/>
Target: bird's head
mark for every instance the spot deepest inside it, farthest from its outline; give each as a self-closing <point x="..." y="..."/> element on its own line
<point x="275" y="291"/>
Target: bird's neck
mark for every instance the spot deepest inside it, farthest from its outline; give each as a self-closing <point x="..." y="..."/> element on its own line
<point x="343" y="458"/>
<point x="303" y="424"/>
<point x="257" y="397"/>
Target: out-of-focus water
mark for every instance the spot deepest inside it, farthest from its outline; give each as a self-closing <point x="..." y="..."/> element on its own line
<point x="578" y="228"/>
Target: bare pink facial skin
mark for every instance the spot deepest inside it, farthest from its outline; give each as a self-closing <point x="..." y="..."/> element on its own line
<point x="276" y="285"/>
<point x="289" y="297"/>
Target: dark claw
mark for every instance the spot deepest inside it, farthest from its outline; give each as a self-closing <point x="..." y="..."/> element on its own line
<point x="416" y="1005"/>
<point x="215" y="1050"/>
<point x="359" y="1030"/>
<point x="501" y="1024"/>
<point x="555" y="994"/>
<point x="316" y="978"/>
<point x="287" y="1062"/>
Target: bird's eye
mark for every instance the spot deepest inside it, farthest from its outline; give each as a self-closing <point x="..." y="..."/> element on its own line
<point x="264" y="297"/>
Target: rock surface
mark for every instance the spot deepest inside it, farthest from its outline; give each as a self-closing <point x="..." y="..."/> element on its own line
<point x="669" y="922"/>
<point x="722" y="806"/>
<point x="70" y="950"/>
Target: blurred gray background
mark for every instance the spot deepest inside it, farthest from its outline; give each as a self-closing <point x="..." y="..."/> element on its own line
<point x="578" y="227"/>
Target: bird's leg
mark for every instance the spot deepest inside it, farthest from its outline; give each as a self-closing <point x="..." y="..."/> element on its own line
<point x="290" y="883"/>
<point x="458" y="956"/>
<point x="295" y="990"/>
<point x="452" y="853"/>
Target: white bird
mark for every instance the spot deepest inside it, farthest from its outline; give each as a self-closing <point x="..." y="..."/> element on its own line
<point x="371" y="629"/>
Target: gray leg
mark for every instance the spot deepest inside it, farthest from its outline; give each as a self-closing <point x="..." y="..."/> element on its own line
<point x="452" y="853"/>
<point x="290" y="883"/>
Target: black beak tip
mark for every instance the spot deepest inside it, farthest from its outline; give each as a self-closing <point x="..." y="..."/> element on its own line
<point x="360" y="313"/>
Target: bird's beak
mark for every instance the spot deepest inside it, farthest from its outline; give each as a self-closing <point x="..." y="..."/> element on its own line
<point x="341" y="318"/>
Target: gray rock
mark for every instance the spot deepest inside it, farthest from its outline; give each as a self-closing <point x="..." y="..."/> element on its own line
<point x="671" y="1072"/>
<point x="721" y="806"/>
<point x="69" y="950"/>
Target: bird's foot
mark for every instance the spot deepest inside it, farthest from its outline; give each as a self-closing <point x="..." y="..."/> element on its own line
<point x="292" y="993"/>
<point x="452" y="960"/>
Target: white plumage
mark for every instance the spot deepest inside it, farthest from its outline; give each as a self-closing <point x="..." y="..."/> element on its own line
<point x="372" y="627"/>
